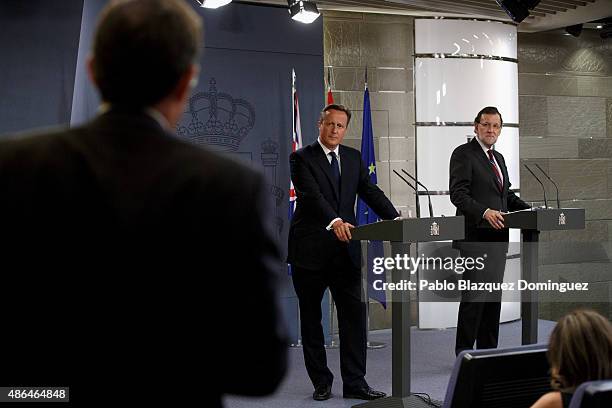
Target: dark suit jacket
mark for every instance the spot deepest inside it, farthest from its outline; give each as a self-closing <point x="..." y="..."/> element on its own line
<point x="311" y="246"/>
<point x="473" y="189"/>
<point x="126" y="252"/>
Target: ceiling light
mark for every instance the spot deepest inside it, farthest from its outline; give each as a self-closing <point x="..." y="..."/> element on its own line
<point x="599" y="26"/>
<point x="213" y="4"/>
<point x="303" y="11"/>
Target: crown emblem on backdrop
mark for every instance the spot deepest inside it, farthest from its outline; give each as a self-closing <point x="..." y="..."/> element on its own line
<point x="269" y="146"/>
<point x="217" y="119"/>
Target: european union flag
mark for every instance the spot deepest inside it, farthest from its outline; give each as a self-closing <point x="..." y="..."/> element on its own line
<point x="365" y="215"/>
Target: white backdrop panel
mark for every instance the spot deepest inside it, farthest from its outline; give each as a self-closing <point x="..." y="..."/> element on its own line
<point x="441" y="205"/>
<point x="438" y="315"/>
<point x="454" y="90"/>
<point x="464" y="37"/>
<point x="434" y="146"/>
<point x="511" y="306"/>
<point x="441" y="315"/>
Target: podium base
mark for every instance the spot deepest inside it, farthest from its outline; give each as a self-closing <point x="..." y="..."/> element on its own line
<point x="412" y="401"/>
<point x="376" y="345"/>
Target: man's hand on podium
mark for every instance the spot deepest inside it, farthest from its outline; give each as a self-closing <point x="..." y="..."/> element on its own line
<point x="494" y="218"/>
<point x="342" y="230"/>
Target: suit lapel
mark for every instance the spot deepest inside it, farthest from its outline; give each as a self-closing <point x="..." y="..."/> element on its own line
<point x="322" y="161"/>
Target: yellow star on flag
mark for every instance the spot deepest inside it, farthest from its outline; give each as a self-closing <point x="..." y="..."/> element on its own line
<point x="372" y="168"/>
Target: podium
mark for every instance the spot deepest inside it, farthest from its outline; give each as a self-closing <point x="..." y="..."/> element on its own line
<point x="531" y="222"/>
<point x="401" y="233"/>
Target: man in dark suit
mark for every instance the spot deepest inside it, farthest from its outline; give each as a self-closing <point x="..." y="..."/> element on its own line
<point x="119" y="241"/>
<point x="327" y="177"/>
<point x="480" y="189"/>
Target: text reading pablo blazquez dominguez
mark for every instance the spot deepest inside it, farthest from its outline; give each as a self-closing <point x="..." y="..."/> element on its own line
<point x="459" y="265"/>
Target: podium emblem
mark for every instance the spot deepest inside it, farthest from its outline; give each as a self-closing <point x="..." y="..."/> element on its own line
<point x="561" y="219"/>
<point x="434" y="230"/>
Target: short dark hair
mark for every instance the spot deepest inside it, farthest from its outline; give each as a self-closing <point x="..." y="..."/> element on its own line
<point x="580" y="349"/>
<point x="338" y="107"/>
<point x="489" y="110"/>
<point x="142" y="48"/>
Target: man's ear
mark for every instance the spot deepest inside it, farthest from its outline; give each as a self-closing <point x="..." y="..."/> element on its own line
<point x="187" y="82"/>
<point x="90" y="70"/>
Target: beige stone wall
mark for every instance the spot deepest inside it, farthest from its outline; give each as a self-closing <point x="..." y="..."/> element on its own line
<point x="383" y="44"/>
<point x="565" y="104"/>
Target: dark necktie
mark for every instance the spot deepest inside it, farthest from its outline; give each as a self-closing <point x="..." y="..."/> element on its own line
<point x="500" y="183"/>
<point x="335" y="168"/>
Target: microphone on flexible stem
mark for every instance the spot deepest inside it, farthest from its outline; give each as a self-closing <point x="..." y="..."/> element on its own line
<point x="421" y="184"/>
<point x="554" y="184"/>
<point x="543" y="189"/>
<point x="411" y="186"/>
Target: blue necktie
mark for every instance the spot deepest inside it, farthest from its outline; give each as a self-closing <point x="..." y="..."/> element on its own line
<point x="335" y="168"/>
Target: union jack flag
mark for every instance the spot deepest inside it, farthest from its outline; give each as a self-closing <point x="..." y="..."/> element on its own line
<point x="330" y="95"/>
<point x="297" y="139"/>
<point x="295" y="145"/>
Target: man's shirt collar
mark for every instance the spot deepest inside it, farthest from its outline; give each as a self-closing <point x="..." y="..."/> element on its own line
<point x="326" y="150"/>
<point x="485" y="149"/>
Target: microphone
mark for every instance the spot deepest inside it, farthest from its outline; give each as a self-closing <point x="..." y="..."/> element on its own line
<point x="411" y="186"/>
<point x="554" y="184"/>
<point x="421" y="184"/>
<point x="543" y="189"/>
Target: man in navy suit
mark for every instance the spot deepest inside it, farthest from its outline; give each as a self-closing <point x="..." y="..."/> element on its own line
<point x="327" y="177"/>
<point x="480" y="189"/>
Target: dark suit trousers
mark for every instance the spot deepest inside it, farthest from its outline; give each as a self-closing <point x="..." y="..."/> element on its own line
<point x="479" y="311"/>
<point x="344" y="281"/>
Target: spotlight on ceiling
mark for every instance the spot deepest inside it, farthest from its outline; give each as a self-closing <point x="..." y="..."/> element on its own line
<point x="303" y="11"/>
<point x="518" y="10"/>
<point x="574" y="30"/>
<point x="213" y="4"/>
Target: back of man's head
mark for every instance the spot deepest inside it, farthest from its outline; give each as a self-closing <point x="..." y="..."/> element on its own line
<point x="142" y="48"/>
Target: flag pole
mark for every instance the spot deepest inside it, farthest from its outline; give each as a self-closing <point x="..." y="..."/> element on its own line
<point x="370" y="344"/>
<point x="332" y="307"/>
<point x="332" y="304"/>
<point x="299" y="328"/>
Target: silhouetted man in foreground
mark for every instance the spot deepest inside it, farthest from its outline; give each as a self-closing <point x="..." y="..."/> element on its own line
<point x="126" y="251"/>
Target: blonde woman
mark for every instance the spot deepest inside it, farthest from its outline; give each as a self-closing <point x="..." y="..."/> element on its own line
<point x="579" y="350"/>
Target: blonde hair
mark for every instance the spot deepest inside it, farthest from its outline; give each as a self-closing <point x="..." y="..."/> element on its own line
<point x="580" y="349"/>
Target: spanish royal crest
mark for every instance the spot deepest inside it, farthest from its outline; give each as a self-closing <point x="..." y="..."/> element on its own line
<point x="434" y="230"/>
<point x="561" y="219"/>
<point x="217" y="120"/>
